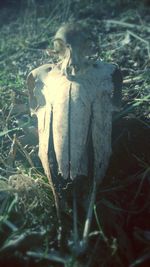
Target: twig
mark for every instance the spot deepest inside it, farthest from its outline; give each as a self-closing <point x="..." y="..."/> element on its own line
<point x="126" y="24"/>
<point x="142" y="40"/>
<point x="53" y="256"/>
<point x="89" y="214"/>
<point x="100" y="228"/>
<point x="12" y="226"/>
<point x="133" y="79"/>
<point x="138" y="37"/>
<point x="140" y="260"/>
<point x="132" y="26"/>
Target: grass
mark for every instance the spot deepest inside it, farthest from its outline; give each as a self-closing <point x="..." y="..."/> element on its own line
<point x="120" y="230"/>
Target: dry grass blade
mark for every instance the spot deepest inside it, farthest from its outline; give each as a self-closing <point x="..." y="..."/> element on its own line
<point x="24" y="151"/>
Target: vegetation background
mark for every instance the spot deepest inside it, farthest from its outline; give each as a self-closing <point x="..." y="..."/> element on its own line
<point x="120" y="234"/>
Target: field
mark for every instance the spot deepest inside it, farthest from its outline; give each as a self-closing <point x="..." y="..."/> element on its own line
<point x="120" y="232"/>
